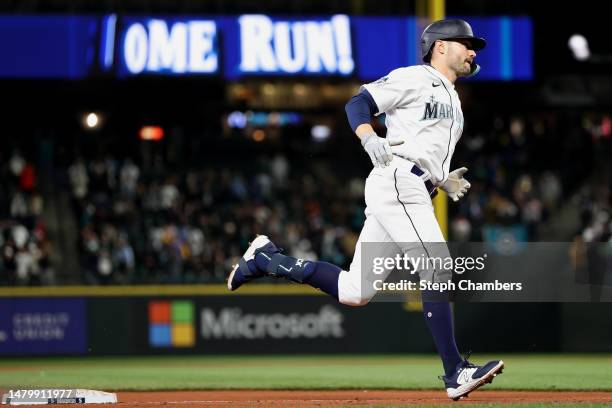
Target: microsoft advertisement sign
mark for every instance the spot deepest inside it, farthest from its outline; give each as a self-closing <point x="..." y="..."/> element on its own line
<point x="216" y="324"/>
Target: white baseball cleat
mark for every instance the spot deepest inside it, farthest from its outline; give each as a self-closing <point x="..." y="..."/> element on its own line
<point x="468" y="377"/>
<point x="246" y="270"/>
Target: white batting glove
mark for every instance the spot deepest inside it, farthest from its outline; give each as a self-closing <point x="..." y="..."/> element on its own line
<point x="455" y="185"/>
<point x="378" y="149"/>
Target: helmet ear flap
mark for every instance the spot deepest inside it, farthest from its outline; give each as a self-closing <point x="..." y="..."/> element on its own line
<point x="474" y="70"/>
<point x="426" y="49"/>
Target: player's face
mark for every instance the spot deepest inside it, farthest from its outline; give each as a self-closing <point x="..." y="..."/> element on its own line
<point x="460" y="56"/>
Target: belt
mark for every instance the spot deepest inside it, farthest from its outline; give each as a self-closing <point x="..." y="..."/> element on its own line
<point x="431" y="189"/>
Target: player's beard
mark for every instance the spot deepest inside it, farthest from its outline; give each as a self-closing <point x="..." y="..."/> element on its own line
<point x="462" y="67"/>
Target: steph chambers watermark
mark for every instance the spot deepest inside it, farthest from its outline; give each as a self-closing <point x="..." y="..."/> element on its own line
<point x="500" y="269"/>
<point x="464" y="285"/>
<point x="459" y="265"/>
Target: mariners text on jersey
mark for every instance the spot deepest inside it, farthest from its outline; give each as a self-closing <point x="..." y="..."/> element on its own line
<point x="438" y="110"/>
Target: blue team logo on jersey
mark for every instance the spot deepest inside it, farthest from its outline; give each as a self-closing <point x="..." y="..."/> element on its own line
<point x="435" y="110"/>
<point x="381" y="81"/>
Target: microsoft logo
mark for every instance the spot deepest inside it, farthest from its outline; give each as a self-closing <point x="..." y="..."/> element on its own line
<point x="171" y="324"/>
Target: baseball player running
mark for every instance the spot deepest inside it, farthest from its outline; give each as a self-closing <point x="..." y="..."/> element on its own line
<point x="424" y="123"/>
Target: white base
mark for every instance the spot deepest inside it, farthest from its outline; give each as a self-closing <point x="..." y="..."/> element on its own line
<point x="97" y="397"/>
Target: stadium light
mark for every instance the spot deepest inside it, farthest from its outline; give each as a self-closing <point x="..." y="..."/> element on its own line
<point x="237" y="120"/>
<point x="259" y="135"/>
<point x="579" y="46"/>
<point x="320" y="133"/>
<point x="151" y="133"/>
<point x="91" y="120"/>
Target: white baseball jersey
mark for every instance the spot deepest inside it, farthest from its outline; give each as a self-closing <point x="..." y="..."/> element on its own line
<point x="423" y="110"/>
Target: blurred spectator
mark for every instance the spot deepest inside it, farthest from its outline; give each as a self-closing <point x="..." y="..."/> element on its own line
<point x="79" y="179"/>
<point x="129" y="178"/>
<point x="596" y="208"/>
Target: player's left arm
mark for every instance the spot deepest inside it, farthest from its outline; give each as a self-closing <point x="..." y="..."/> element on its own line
<point x="456" y="185"/>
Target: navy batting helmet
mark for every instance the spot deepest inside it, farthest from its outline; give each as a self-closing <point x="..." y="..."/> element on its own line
<point x="448" y="30"/>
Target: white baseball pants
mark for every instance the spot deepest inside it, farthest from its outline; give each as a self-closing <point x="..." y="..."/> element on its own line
<point x="398" y="210"/>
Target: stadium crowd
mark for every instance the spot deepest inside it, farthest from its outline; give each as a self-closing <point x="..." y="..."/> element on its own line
<point x="189" y="223"/>
<point x="24" y="245"/>
<point x="188" y="226"/>
<point x="145" y="218"/>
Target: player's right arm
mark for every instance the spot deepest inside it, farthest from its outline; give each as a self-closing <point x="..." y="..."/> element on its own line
<point x="387" y="93"/>
<point x="359" y="110"/>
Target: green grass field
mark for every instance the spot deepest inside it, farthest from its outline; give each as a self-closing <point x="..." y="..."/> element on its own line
<point x="523" y="372"/>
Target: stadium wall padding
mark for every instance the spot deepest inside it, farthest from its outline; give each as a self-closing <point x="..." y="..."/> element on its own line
<point x="285" y="324"/>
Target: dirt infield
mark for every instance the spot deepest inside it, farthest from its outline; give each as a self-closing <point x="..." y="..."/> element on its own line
<point x="191" y="399"/>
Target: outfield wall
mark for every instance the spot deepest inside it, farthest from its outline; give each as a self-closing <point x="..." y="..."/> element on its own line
<point x="275" y="319"/>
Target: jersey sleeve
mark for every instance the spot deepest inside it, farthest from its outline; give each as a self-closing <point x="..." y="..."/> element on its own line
<point x="399" y="88"/>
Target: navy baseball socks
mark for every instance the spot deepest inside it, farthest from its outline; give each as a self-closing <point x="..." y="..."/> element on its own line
<point x="263" y="258"/>
<point x="318" y="274"/>
<point x="440" y="322"/>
